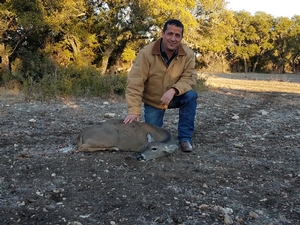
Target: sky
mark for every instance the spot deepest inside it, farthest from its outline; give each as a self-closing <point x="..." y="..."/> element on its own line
<point x="276" y="8"/>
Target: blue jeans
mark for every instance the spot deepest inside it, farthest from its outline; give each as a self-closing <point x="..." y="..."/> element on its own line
<point x="187" y="111"/>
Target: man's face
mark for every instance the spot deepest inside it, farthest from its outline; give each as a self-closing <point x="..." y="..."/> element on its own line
<point x="172" y="38"/>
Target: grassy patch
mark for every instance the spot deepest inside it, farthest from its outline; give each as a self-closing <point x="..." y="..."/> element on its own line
<point x="72" y="82"/>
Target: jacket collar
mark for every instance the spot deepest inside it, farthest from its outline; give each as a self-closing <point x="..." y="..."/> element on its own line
<point x="156" y="48"/>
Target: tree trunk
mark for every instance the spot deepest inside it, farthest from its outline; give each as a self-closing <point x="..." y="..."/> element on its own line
<point x="255" y="64"/>
<point x="105" y="59"/>
<point x="238" y="69"/>
<point x="245" y="65"/>
<point x="294" y="61"/>
<point x="4" y="55"/>
<point x="223" y="64"/>
<point x="281" y="68"/>
<point x="74" y="44"/>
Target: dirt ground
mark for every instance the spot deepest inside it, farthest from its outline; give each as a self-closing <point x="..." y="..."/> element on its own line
<point x="245" y="167"/>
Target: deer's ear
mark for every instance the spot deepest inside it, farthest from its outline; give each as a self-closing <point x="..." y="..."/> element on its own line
<point x="150" y="138"/>
<point x="171" y="148"/>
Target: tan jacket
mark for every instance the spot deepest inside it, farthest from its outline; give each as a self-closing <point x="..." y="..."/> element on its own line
<point x="150" y="77"/>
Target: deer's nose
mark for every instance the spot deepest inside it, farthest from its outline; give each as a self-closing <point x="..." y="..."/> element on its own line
<point x="140" y="157"/>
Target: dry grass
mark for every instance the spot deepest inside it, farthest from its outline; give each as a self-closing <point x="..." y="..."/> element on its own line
<point x="256" y="82"/>
<point x="7" y="95"/>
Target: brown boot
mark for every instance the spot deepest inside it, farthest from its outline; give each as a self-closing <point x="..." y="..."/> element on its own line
<point x="186" y="146"/>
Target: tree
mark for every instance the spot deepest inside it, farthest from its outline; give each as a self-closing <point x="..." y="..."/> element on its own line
<point x="72" y="38"/>
<point x="215" y="33"/>
<point x="293" y="43"/>
<point x="263" y="24"/>
<point x="7" y="26"/>
<point x="283" y="28"/>
<point x="244" y="37"/>
<point x="27" y="35"/>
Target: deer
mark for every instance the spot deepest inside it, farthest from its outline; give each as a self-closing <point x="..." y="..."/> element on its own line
<point x="148" y="140"/>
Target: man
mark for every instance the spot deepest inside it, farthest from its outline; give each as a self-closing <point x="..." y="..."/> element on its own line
<point x="162" y="77"/>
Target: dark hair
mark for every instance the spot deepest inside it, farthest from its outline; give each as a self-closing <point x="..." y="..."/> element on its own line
<point x="177" y="23"/>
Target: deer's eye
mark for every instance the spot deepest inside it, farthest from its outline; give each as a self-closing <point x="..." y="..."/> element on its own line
<point x="154" y="149"/>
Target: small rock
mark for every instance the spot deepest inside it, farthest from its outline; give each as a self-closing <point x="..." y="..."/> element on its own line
<point x="39" y="193"/>
<point x="85" y="216"/>
<point x="238" y="145"/>
<point x="32" y="120"/>
<point x="21" y="203"/>
<point x="193" y="205"/>
<point x="216" y="208"/>
<point x="204" y="206"/>
<point x="253" y="215"/>
<point x="205" y="185"/>
<point x="74" y="223"/>
<point x="109" y="115"/>
<point x="263" y="112"/>
<point x="227" y="219"/>
<point x="227" y="211"/>
<point x="235" y="117"/>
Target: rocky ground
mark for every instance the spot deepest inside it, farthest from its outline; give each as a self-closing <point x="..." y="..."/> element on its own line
<point x="245" y="168"/>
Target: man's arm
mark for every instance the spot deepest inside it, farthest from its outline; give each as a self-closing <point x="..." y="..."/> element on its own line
<point x="189" y="76"/>
<point x="135" y="88"/>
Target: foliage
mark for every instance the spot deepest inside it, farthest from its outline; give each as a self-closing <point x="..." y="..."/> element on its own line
<point x="72" y="44"/>
<point x="76" y="81"/>
<point x="201" y="85"/>
<point x="128" y="55"/>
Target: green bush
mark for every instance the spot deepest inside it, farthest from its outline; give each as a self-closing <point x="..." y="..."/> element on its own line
<point x="74" y="81"/>
<point x="201" y="85"/>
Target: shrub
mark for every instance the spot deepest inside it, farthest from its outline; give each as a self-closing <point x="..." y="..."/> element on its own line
<point x="74" y="81"/>
<point x="201" y="85"/>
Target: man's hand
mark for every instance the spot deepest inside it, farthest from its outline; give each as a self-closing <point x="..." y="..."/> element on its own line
<point x="167" y="97"/>
<point x="131" y="117"/>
